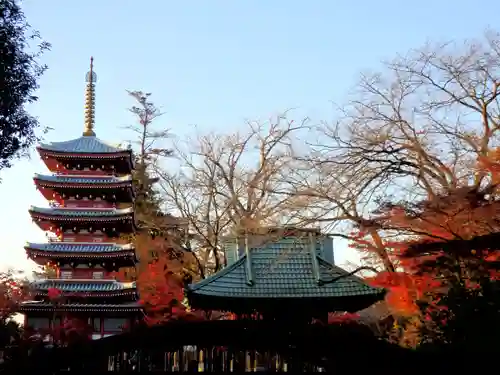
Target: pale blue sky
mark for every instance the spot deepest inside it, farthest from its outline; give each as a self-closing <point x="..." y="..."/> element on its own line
<point x="212" y="63"/>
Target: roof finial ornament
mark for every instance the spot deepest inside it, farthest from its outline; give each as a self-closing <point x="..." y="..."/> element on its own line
<point x="90" y="78"/>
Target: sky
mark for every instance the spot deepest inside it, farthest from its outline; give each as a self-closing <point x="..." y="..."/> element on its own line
<point x="211" y="65"/>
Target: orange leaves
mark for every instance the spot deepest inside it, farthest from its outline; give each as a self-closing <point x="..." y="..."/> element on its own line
<point x="402" y="301"/>
<point x="443" y="256"/>
<point x="405" y="290"/>
<point x="159" y="278"/>
<point x="161" y="292"/>
<point x="391" y="280"/>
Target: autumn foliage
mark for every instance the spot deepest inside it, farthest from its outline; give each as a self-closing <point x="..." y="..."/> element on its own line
<point x="160" y="277"/>
<point x="161" y="293"/>
<point x="445" y="287"/>
<point x="12" y="293"/>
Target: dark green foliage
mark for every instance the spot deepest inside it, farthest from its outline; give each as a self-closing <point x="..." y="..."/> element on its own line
<point x="147" y="202"/>
<point x="10" y="332"/>
<point x="19" y="72"/>
<point x="467" y="320"/>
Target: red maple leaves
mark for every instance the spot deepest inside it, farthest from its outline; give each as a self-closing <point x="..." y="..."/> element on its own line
<point x="405" y="289"/>
<point x="12" y="293"/>
<point x="161" y="293"/>
<point x="54" y="294"/>
<point x="160" y="281"/>
<point x="439" y="265"/>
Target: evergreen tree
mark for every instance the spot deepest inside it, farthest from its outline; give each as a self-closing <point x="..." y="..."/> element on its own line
<point x="19" y="72"/>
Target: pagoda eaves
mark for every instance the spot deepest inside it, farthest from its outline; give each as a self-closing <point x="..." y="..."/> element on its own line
<point x="61" y="253"/>
<point x="85" y="288"/>
<point x="83" y="181"/>
<point x="86" y="152"/>
<point x="109" y="220"/>
<point x="110" y="308"/>
<point x="84" y="145"/>
<point x="81" y="213"/>
<point x="104" y="188"/>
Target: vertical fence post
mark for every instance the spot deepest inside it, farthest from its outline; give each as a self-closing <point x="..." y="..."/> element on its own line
<point x="175" y="362"/>
<point x="201" y="362"/>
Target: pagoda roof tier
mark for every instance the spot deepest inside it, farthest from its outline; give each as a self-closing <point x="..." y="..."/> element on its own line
<point x="90" y="214"/>
<point x="83" y="181"/>
<point x="281" y="272"/>
<point x="86" y="152"/>
<point x="90" y="248"/>
<point x="107" y="188"/>
<point x="80" y="250"/>
<point x="85" y="217"/>
<point x="85" y="288"/>
<point x="85" y="145"/>
<point x="31" y="306"/>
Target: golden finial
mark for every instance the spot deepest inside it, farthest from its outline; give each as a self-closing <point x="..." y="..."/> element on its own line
<point x="90" y="78"/>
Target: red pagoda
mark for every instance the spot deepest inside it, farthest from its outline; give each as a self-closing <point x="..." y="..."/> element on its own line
<point x="89" y="222"/>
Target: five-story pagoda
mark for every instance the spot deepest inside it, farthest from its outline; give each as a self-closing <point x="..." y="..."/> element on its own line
<point x="91" y="211"/>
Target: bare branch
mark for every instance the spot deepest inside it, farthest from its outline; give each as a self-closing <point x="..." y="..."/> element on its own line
<point x="228" y="183"/>
<point x="414" y="132"/>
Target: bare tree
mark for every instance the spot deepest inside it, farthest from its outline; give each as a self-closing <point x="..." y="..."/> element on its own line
<point x="230" y="183"/>
<point x="414" y="132"/>
<point x="146" y="113"/>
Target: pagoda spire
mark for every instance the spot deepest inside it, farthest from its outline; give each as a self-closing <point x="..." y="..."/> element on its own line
<point x="90" y="78"/>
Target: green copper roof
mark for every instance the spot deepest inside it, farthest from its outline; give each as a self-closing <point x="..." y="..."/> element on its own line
<point x="65" y="179"/>
<point x="80" y="213"/>
<point x="82" y="145"/>
<point x="75" y="247"/>
<point x="281" y="270"/>
<point x="72" y="285"/>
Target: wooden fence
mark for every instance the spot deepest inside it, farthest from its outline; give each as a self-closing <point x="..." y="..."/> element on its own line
<point x="223" y="346"/>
